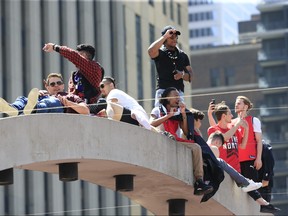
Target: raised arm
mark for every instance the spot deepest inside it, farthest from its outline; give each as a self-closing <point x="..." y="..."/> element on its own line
<point x="153" y="49"/>
<point x="155" y="122"/>
<point x="211" y="119"/>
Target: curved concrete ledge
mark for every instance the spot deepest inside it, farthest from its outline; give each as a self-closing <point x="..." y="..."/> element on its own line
<point x="105" y="148"/>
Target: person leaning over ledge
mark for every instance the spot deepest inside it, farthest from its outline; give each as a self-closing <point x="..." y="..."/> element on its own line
<point x="89" y="72"/>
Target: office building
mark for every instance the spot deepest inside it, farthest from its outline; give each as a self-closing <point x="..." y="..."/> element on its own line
<point x="214" y="22"/>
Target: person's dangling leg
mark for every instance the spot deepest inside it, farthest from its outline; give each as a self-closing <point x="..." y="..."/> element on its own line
<point x="9" y="109"/>
<point x="32" y="101"/>
<point x="142" y="118"/>
<point x="114" y="111"/>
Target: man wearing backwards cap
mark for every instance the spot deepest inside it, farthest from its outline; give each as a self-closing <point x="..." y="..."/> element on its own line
<point x="173" y="65"/>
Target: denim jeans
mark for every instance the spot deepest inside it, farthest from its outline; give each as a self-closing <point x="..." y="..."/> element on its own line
<point x="236" y="176"/>
<point x="49" y="104"/>
<point x="46" y="104"/>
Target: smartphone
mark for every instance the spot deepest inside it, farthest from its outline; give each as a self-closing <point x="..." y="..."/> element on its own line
<point x="213" y="101"/>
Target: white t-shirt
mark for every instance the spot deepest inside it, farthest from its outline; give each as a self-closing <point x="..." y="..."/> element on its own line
<point x="256" y="125"/>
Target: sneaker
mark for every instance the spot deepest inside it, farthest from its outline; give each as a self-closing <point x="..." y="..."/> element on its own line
<point x="269" y="209"/>
<point x="7" y="108"/>
<point x="201" y="188"/>
<point x="169" y="135"/>
<point x="252" y="186"/>
<point x="32" y="101"/>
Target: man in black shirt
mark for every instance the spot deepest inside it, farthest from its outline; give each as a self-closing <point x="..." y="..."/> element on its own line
<point x="172" y="64"/>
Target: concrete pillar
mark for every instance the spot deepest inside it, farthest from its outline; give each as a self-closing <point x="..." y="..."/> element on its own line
<point x="107" y="202"/>
<point x="55" y="194"/>
<point x="33" y="46"/>
<point x="51" y="33"/>
<point x="103" y="30"/>
<point x="36" y="192"/>
<point x="92" y="201"/>
<point x="73" y="198"/>
<point x="17" y="194"/>
<point x="13" y="51"/>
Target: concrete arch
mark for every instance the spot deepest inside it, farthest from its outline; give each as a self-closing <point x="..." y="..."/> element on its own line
<point x="105" y="148"/>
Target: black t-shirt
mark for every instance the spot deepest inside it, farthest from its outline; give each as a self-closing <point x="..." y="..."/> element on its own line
<point x="166" y="65"/>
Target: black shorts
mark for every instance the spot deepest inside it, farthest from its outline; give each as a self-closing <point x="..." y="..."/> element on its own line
<point x="126" y="117"/>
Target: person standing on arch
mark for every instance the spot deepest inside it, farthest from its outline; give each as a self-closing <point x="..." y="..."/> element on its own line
<point x="172" y="64"/>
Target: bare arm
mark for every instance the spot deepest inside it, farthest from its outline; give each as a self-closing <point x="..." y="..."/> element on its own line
<point x="155" y="122"/>
<point x="188" y="76"/>
<point x="246" y="132"/>
<point x="211" y="119"/>
<point x="184" y="123"/>
<point x="153" y="49"/>
<point x="80" y="108"/>
<point x="258" y="161"/>
<point x="233" y="130"/>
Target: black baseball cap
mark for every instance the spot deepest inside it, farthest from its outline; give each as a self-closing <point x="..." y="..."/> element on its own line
<point x="166" y="28"/>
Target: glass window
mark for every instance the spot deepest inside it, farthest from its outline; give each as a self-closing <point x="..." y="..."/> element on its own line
<point x="229" y="76"/>
<point x="215" y="77"/>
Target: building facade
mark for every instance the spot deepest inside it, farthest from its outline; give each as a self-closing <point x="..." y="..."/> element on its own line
<point x="273" y="74"/>
<point x="257" y="68"/>
<point x="121" y="32"/>
<point x="214" y="22"/>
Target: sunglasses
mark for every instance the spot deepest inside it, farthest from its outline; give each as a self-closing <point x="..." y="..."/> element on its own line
<point x="102" y="86"/>
<point x="52" y="84"/>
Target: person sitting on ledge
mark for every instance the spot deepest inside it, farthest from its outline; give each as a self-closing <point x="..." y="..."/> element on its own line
<point x="51" y="100"/>
<point x="121" y="106"/>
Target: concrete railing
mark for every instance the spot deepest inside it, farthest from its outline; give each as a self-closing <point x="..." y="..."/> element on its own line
<point x="104" y="148"/>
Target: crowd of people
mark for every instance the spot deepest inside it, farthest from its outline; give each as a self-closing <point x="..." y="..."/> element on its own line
<point x="234" y="145"/>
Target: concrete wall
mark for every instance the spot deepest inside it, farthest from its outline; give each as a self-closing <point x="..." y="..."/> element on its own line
<point x="104" y="148"/>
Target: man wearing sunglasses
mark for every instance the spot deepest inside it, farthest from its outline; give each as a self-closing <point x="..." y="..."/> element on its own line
<point x="89" y="72"/>
<point x="121" y="106"/>
<point x="50" y="100"/>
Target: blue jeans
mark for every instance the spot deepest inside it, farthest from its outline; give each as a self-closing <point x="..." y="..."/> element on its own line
<point x="49" y="104"/>
<point x="44" y="105"/>
<point x="236" y="176"/>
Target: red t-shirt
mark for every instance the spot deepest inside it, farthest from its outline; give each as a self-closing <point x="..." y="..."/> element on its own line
<point x="229" y="150"/>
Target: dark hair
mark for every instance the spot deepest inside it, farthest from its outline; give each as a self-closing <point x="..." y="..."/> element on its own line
<point x="164" y="100"/>
<point x="197" y="114"/>
<point x="109" y="79"/>
<point x="87" y="48"/>
<point x="217" y="135"/>
<point x="220" y="109"/>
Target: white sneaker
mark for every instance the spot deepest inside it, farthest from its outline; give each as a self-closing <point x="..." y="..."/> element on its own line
<point x="6" y="108"/>
<point x="252" y="186"/>
<point x="32" y="101"/>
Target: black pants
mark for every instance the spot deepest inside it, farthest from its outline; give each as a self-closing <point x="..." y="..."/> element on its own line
<point x="249" y="171"/>
<point x="126" y="117"/>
